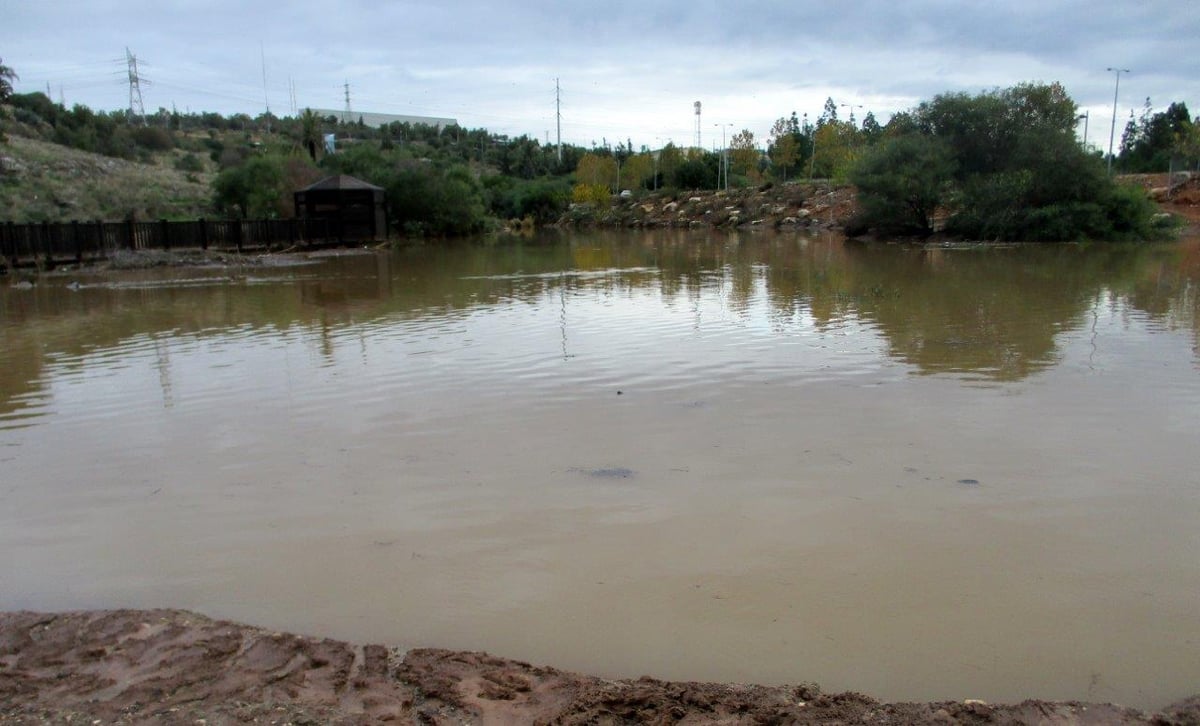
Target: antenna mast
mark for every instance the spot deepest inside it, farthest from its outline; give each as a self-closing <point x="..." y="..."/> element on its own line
<point x="697" y="105"/>
<point x="346" y="113"/>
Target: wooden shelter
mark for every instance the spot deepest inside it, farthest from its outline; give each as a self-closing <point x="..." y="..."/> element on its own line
<point x="355" y="209"/>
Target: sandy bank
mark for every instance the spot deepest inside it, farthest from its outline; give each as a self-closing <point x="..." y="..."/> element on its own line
<point x="175" y="667"/>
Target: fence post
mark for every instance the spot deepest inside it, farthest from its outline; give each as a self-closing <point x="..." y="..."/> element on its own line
<point x="78" y="242"/>
<point x="131" y="233"/>
<point x="101" y="248"/>
<point x="8" y="244"/>
<point x="238" y="236"/>
<point x="203" y="234"/>
<point x="163" y="225"/>
<point x="47" y="250"/>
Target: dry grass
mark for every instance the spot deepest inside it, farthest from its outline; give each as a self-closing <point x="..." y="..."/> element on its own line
<point x="41" y="181"/>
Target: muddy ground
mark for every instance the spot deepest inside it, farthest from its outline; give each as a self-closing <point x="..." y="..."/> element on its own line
<point x="177" y="667"/>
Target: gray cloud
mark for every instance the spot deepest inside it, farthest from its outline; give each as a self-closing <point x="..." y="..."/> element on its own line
<point x="628" y="69"/>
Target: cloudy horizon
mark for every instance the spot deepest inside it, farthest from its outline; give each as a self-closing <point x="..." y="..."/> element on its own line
<point x="626" y="70"/>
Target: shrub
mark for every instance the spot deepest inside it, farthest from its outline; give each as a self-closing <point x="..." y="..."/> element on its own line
<point x="596" y="194"/>
<point x="189" y="162"/>
<point x="153" y="138"/>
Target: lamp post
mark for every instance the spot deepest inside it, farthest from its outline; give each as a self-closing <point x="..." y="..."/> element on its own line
<point x="1112" y="133"/>
<point x="724" y="166"/>
<point x="812" y="159"/>
<point x="660" y="148"/>
<point x="1085" y="116"/>
<point x="851" y="106"/>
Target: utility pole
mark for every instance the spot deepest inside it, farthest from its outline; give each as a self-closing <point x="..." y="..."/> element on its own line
<point x="558" y="119"/>
<point x="1112" y="132"/>
<point x="135" y="88"/>
<point x="266" y="100"/>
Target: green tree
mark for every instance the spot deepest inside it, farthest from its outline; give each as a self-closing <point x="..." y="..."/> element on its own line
<point x="698" y="171"/>
<point x="597" y="170"/>
<point x="637" y="170"/>
<point x="901" y="183"/>
<point x="310" y="133"/>
<point x="1150" y="143"/>
<point x="785" y="146"/>
<point x="424" y="200"/>
<point x="743" y="155"/>
<point x="7" y="76"/>
<point x="829" y="113"/>
<point x="1018" y="172"/>
<point x="251" y="189"/>
<point x="669" y="159"/>
<point x="836" y="146"/>
<point x="871" y="130"/>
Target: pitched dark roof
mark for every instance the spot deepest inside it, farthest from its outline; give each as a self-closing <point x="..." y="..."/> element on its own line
<point x="341" y="181"/>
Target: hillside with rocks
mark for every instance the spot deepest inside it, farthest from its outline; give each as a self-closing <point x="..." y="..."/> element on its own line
<point x="794" y="205"/>
<point x="43" y="181"/>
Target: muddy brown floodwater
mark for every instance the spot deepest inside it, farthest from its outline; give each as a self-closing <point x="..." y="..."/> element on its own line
<point x="919" y="474"/>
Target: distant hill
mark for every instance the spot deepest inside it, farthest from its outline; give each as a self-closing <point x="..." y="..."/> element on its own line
<point x="43" y="181"/>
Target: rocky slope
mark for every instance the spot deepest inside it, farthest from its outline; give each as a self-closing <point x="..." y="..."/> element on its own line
<point x="794" y="205"/>
<point x="45" y="181"/>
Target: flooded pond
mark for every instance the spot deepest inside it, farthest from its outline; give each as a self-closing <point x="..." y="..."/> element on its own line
<point x="920" y="474"/>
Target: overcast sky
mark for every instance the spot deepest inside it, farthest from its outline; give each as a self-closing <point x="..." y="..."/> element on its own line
<point x="626" y="69"/>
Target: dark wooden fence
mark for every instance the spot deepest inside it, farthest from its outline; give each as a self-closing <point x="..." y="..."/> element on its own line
<point x="51" y="244"/>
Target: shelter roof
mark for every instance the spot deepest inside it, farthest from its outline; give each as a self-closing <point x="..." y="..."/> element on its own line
<point x="340" y="182"/>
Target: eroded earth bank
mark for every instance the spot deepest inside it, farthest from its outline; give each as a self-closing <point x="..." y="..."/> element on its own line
<point x="176" y="667"/>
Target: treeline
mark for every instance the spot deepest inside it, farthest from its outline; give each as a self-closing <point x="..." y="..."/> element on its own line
<point x="1005" y="164"/>
<point x="1156" y="142"/>
<point x="440" y="182"/>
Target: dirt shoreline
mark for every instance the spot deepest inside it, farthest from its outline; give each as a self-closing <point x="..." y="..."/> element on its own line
<point x="176" y="667"/>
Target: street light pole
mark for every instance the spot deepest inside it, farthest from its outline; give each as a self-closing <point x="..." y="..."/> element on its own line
<point x="1112" y="133"/>
<point x="656" y="156"/>
<point x="812" y="159"/>
<point x="851" y="106"/>
<point x="724" y="165"/>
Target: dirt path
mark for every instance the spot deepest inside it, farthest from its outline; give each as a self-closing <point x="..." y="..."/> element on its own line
<point x="176" y="667"/>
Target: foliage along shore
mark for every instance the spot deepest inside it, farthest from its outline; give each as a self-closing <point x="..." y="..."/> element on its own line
<point x="1002" y="165"/>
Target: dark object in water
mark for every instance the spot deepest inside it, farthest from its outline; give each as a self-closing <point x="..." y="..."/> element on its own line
<point x="618" y="472"/>
<point x="968" y="481"/>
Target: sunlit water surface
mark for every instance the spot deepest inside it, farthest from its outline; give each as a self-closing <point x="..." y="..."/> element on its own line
<point x="915" y="473"/>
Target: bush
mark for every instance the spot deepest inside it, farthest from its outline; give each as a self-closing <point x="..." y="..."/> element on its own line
<point x="153" y="138"/>
<point x="190" y="163"/>
<point x="901" y="184"/>
<point x="1006" y="166"/>
<point x="695" y="174"/>
<point x="424" y="200"/>
<point x="544" y="200"/>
